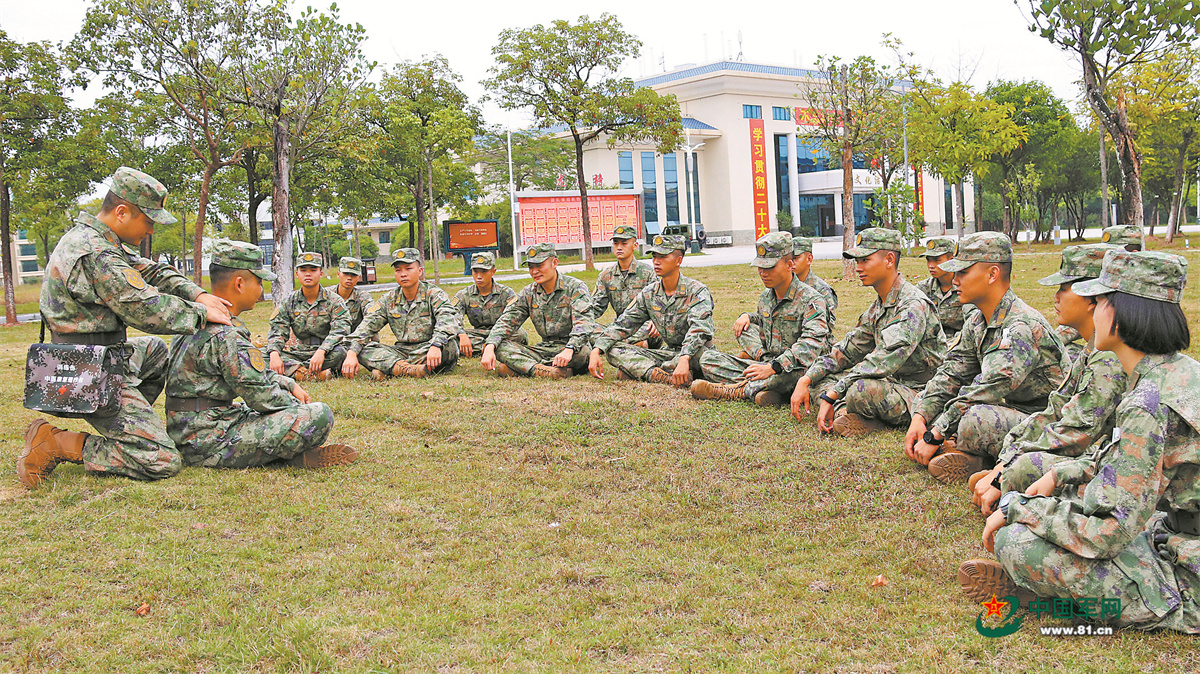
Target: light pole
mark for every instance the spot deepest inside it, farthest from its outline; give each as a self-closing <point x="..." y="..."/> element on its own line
<point x="688" y="154"/>
<point x="512" y="201"/>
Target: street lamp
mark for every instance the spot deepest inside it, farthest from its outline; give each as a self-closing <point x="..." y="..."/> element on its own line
<point x="688" y="154"/>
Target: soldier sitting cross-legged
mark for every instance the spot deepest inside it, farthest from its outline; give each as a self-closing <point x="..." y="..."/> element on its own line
<point x="481" y="304"/>
<point x="319" y="319"/>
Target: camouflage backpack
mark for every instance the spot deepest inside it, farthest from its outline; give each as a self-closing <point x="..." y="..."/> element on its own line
<point x="74" y="380"/>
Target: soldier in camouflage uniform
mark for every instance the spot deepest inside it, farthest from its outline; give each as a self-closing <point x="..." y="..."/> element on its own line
<point x="94" y="286"/>
<point x="939" y="287"/>
<point x="620" y="283"/>
<point x="782" y="338"/>
<point x="350" y="272"/>
<point x="1123" y="521"/>
<point x="1080" y="412"/>
<point x="802" y="251"/>
<point x="319" y="319"/>
<point x="869" y="381"/>
<point x="560" y="308"/>
<point x="681" y="308"/>
<point x="421" y="317"/>
<point x="1129" y="236"/>
<point x="481" y="304"/>
<point x="1005" y="364"/>
<point x="277" y="419"/>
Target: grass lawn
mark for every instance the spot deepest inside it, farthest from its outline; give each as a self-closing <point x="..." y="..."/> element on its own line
<point x="528" y="525"/>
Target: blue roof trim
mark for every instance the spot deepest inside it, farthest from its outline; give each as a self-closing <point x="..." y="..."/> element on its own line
<point x="696" y="125"/>
<point x="736" y="66"/>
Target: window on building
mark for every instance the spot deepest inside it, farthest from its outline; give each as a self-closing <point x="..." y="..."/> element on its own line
<point x="29" y="265"/>
<point x="385" y="237"/>
<point x="752" y="111"/>
<point x="671" y="187"/>
<point x="864" y="215"/>
<point x="28" y="250"/>
<point x="649" y="188"/>
<point x="948" y="193"/>
<point x="811" y="157"/>
<point x="23" y="234"/>
<point x="781" y="114"/>
<point x="625" y="169"/>
<point x="782" y="188"/>
<point x="815" y="215"/>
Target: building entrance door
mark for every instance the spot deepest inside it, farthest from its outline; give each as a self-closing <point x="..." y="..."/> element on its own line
<point x="826" y="220"/>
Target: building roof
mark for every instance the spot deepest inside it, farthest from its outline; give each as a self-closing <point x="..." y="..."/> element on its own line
<point x="734" y="66"/>
<point x="696" y="125"/>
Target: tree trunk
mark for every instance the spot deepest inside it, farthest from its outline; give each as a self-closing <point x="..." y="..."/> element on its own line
<point x="1116" y="122"/>
<point x="1006" y="221"/>
<point x="419" y="202"/>
<point x="978" y="202"/>
<point x="6" y="244"/>
<point x="1176" y="215"/>
<point x="1104" y="208"/>
<point x="280" y="195"/>
<point x="201" y="209"/>
<point x="437" y="252"/>
<point x="847" y="180"/>
<point x="960" y="209"/>
<point x="254" y="198"/>
<point x="588" y="262"/>
<point x="357" y="245"/>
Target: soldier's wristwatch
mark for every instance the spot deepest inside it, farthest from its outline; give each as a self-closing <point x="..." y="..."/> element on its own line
<point x="1006" y="501"/>
<point x="930" y="440"/>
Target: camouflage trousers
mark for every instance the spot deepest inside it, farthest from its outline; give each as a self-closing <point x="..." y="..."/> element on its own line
<point x="726" y="369"/>
<point x="1154" y="592"/>
<point x="883" y="399"/>
<point x="478" y="336"/>
<point x="383" y="357"/>
<point x="982" y="428"/>
<point x="642" y="335"/>
<point x="238" y="437"/>
<point x="296" y="357"/>
<point x="134" y="443"/>
<point x="522" y="358"/>
<point x="1026" y="470"/>
<point x="637" y="362"/>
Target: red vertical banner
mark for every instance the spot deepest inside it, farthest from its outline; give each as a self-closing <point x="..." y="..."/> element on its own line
<point x="758" y="178"/>
<point x="919" y="204"/>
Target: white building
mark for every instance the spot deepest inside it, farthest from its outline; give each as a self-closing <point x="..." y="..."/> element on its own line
<point x="723" y="188"/>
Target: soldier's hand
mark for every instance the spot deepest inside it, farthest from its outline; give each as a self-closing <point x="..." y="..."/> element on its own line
<point x="596" y="364"/>
<point x="563" y="358"/>
<point x="317" y="361"/>
<point x="800" y="396"/>
<point x="757" y="371"/>
<point x="653" y="333"/>
<point x="825" y="417"/>
<point x="987" y="502"/>
<point x="741" y="324"/>
<point x="350" y="365"/>
<point x="916" y="429"/>
<point x="488" y="360"/>
<point x="994" y="522"/>
<point x="683" y="372"/>
<point x="276" y="362"/>
<point x="1044" y="486"/>
<point x="218" y="316"/>
<point x="433" y="358"/>
<point x="982" y="487"/>
<point x="301" y="395"/>
<point x="464" y="346"/>
<point x="215" y="303"/>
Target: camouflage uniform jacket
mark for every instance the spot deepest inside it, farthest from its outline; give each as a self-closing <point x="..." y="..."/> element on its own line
<point x="795" y="329"/>
<point x="483" y="310"/>
<point x="898" y="337"/>
<point x="93" y="284"/>
<point x="1075" y="347"/>
<point x="1078" y="414"/>
<point x="563" y="315"/>
<point x="327" y="318"/>
<point x="685" y="319"/>
<point x="357" y="305"/>
<point x="1153" y="465"/>
<point x="430" y="317"/>
<point x="949" y="309"/>
<point x="220" y="362"/>
<point x="619" y="288"/>
<point x="827" y="291"/>
<point x="1015" y="359"/>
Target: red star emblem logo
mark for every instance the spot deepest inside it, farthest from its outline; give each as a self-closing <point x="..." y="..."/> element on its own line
<point x="994" y="607"/>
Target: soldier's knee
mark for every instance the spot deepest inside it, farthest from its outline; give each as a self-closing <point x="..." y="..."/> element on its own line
<point x="162" y="464"/>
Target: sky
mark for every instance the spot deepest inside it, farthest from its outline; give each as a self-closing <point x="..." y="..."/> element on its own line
<point x="978" y="40"/>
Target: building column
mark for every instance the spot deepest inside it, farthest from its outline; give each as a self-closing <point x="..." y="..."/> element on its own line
<point x="793" y="180"/>
<point x="837" y="209"/>
<point x="660" y="180"/>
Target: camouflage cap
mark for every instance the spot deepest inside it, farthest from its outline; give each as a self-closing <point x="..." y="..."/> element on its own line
<point x="539" y="253"/>
<point x="770" y="248"/>
<point x="143" y="191"/>
<point x="483" y="261"/>
<point x="406" y="256"/>
<point x="310" y="259"/>
<point x="1122" y="235"/>
<point x="1078" y="262"/>
<point x="664" y="244"/>
<point x="624" y="232"/>
<point x="351" y="265"/>
<point x="1149" y="274"/>
<point x="938" y="246"/>
<point x="801" y="244"/>
<point x="872" y="239"/>
<point x="241" y="255"/>
<point x="979" y="247"/>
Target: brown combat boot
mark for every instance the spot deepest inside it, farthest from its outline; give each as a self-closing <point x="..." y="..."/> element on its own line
<point x="659" y="376"/>
<point x="302" y="374"/>
<point x="621" y="374"/>
<point x="378" y="375"/>
<point x="849" y="425"/>
<point x="504" y="370"/>
<point x="974" y="480"/>
<point x="983" y="579"/>
<point x="954" y="466"/>
<point x="403" y="369"/>
<point x="706" y="390"/>
<point x="768" y="398"/>
<point x="325" y="456"/>
<point x="45" y="448"/>
<point x="550" y="372"/>
<point x="744" y="354"/>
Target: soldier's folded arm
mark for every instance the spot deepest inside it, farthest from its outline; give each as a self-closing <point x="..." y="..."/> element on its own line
<point x="167" y="279"/>
<point x="144" y="308"/>
<point x="339" y="326"/>
<point x="446" y="325"/>
<point x="700" y="324"/>
<point x="514" y="315"/>
<point x="896" y="345"/>
<point x="370" y="326"/>
<point x="262" y="390"/>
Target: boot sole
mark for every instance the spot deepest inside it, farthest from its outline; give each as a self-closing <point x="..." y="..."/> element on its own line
<point x="850" y="428"/>
<point x="767" y="399"/>
<point x="30" y="481"/>
<point x="954" y="467"/>
<point x="981" y="579"/>
<point x="334" y="455"/>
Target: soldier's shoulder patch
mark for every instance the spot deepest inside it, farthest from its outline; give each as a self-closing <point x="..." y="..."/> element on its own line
<point x="133" y="278"/>
<point x="372" y="307"/>
<point x="257" y="361"/>
<point x="275" y="312"/>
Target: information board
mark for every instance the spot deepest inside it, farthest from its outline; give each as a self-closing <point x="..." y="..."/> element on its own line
<point x="470" y="235"/>
<point x="556" y="217"/>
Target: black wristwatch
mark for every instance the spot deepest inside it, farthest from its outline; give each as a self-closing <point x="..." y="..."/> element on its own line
<point x="930" y="440"/>
<point x="776" y="367"/>
<point x="1007" y="500"/>
<point x="826" y="398"/>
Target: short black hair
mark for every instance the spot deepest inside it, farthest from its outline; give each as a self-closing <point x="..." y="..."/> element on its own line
<point x="1005" y="271"/>
<point x="220" y="275"/>
<point x="1149" y="326"/>
<point x="111" y="201"/>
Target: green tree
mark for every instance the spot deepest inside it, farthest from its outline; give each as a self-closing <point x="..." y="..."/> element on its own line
<point x="566" y="74"/>
<point x="538" y="158"/>
<point x="1110" y="37"/>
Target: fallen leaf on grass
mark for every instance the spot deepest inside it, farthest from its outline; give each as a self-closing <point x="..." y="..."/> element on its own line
<point x="143" y="610"/>
<point x="879" y="581"/>
<point x="427" y="394"/>
<point x="199" y="525"/>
